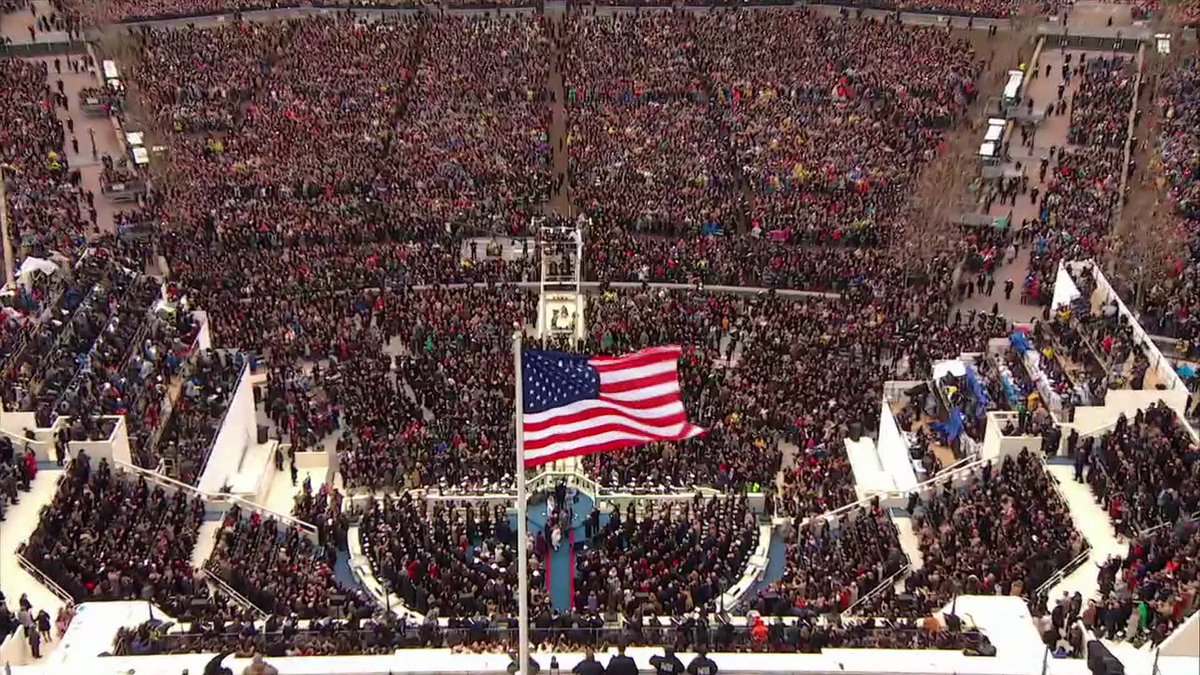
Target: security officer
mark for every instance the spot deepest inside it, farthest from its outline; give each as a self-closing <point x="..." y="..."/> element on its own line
<point x="668" y="664"/>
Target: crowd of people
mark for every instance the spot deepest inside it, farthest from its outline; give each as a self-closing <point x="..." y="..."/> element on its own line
<point x="43" y="190"/>
<point x="1169" y="308"/>
<point x="832" y="563"/>
<point x="281" y="570"/>
<point x="1150" y="591"/>
<point x="1144" y="472"/>
<point x="106" y="536"/>
<point x="447" y="560"/>
<point x="1100" y="106"/>
<point x="666" y="558"/>
<point x="692" y="132"/>
<point x="1005" y="532"/>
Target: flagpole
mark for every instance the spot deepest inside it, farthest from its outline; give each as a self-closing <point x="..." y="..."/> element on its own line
<point x="522" y="535"/>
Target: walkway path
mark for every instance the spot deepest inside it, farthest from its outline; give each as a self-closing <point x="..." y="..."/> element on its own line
<point x="19" y="522"/>
<point x="909" y="543"/>
<point x="560" y="200"/>
<point x="1051" y="132"/>
<point x="1095" y="526"/>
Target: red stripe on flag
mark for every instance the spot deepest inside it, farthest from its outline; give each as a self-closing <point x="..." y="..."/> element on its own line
<point x="638" y="359"/>
<point x="600" y="411"/>
<point x="608" y="446"/>
<point x="639" y="383"/>
<point x="539" y="443"/>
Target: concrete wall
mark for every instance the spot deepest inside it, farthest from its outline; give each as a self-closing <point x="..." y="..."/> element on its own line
<point x="236" y="435"/>
<point x="115" y="447"/>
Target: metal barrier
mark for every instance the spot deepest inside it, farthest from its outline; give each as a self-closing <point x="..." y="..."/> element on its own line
<point x="41" y="577"/>
<point x="308" y="529"/>
<point x="883" y="586"/>
<point x="223" y="587"/>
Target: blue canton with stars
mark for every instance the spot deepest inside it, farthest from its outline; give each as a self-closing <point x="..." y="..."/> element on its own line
<point x="554" y="379"/>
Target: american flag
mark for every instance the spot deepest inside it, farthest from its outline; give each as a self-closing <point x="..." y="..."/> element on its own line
<point x="578" y="405"/>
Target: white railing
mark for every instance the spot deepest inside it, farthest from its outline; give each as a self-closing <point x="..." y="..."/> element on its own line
<point x="220" y="498"/>
<point x="223" y="587"/>
<point x="880" y="588"/>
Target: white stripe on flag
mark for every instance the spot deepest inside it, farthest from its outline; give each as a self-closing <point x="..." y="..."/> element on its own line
<point x="589" y="403"/>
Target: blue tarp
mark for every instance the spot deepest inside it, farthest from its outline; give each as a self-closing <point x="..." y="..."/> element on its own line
<point x="952" y="428"/>
<point x="978" y="391"/>
<point x="1019" y="342"/>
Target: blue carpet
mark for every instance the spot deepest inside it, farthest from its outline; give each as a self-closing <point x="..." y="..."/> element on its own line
<point x="562" y="573"/>
<point x="341" y="571"/>
<point x="776" y="554"/>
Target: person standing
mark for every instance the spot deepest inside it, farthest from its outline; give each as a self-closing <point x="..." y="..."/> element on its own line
<point x="621" y="664"/>
<point x="589" y="665"/>
<point x="667" y="664"/>
<point x="702" y="665"/>
<point x="35" y="642"/>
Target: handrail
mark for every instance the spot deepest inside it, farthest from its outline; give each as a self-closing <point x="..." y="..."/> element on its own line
<point x="1061" y="574"/>
<point x="215" y="497"/>
<point x="881" y="587"/>
<point x="224" y="415"/>
<point x="41" y="576"/>
<point x="1166" y="523"/>
<point x="224" y="587"/>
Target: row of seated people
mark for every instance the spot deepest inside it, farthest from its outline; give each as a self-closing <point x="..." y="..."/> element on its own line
<point x="279" y="569"/>
<point x="384" y="635"/>
<point x="28" y="367"/>
<point x="1145" y="472"/>
<point x="832" y="562"/>
<point x="666" y="558"/>
<point x="1151" y="590"/>
<point x="106" y="536"/>
<point x="212" y="378"/>
<point x="445" y="561"/>
<point x="73" y="347"/>
<point x="90" y="391"/>
<point x="1002" y="533"/>
<point x="140" y="391"/>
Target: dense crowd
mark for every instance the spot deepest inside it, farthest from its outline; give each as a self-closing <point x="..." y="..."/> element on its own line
<point x="1004" y="533"/>
<point x="43" y="191"/>
<point x="1150" y="591"/>
<point x="666" y="558"/>
<point x="1144" y="472"/>
<point x="832" y="563"/>
<point x="692" y="131"/>
<point x="280" y="569"/>
<point x="1100" y="105"/>
<point x="106" y="536"/>
<point x="447" y="560"/>
<point x="1170" y="306"/>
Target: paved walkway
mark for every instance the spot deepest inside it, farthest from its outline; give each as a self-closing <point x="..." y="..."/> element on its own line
<point x="1051" y="132"/>
<point x="18" y="524"/>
